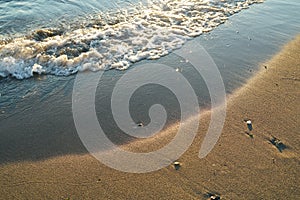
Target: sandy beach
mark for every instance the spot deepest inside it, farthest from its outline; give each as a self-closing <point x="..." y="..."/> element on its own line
<point x="261" y="164"/>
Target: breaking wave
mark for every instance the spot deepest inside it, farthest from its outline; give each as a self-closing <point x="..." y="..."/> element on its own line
<point x="115" y="40"/>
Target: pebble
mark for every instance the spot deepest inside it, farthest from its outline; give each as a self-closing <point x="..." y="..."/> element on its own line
<point x="215" y="197"/>
<point x="177" y="165"/>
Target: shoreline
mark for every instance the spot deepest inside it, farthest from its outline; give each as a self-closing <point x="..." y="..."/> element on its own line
<point x="239" y="167"/>
<point x="264" y="67"/>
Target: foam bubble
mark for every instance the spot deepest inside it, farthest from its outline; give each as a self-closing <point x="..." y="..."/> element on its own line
<point x="115" y="41"/>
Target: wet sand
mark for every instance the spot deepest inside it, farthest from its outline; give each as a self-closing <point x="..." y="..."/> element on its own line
<point x="241" y="166"/>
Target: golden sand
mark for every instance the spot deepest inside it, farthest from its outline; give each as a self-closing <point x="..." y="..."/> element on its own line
<point x="239" y="167"/>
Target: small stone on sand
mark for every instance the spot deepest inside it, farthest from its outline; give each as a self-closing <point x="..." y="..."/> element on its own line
<point x="215" y="197"/>
<point x="249" y="124"/>
<point x="177" y="165"/>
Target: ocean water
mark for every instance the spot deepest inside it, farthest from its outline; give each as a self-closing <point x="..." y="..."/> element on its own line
<point x="43" y="43"/>
<point x="21" y="16"/>
<point x="96" y="35"/>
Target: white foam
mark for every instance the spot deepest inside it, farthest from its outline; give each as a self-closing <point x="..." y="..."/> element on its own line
<point x="144" y="32"/>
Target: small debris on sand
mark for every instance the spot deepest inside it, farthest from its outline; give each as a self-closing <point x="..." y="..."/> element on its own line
<point x="213" y="196"/>
<point x="278" y="143"/>
<point x="140" y="124"/>
<point x="249" y="124"/>
<point x="176" y="165"/>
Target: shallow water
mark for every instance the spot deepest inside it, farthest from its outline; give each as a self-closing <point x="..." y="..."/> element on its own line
<point x="114" y="39"/>
<point x="36" y="113"/>
<point x="21" y="16"/>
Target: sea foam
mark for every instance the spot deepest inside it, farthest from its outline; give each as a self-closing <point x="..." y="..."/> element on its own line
<point x="115" y="40"/>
